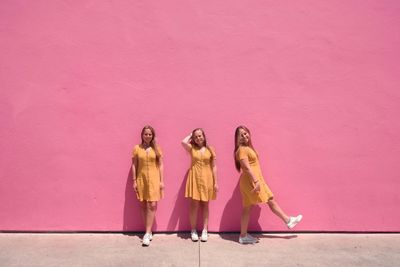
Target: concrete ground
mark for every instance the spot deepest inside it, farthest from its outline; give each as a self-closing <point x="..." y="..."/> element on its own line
<point x="178" y="250"/>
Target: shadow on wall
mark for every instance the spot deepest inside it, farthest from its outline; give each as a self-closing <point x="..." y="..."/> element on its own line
<point x="133" y="218"/>
<point x="230" y="219"/>
<point x="179" y="219"/>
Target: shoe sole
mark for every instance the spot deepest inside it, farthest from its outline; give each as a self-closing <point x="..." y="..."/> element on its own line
<point x="247" y="243"/>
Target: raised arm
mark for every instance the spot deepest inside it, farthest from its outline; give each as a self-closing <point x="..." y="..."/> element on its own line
<point x="186" y="142"/>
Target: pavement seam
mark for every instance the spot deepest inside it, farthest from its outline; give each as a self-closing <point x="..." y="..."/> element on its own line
<point x="199" y="254"/>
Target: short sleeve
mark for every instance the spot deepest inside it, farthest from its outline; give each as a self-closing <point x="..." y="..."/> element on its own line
<point x="135" y="152"/>
<point x="213" y="155"/>
<point x="242" y="153"/>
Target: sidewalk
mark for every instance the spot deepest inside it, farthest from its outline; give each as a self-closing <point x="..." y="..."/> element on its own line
<point x="178" y="250"/>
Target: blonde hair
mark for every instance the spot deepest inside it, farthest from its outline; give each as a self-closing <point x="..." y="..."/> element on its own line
<point x="153" y="144"/>
<point x="237" y="144"/>
<point x="193" y="143"/>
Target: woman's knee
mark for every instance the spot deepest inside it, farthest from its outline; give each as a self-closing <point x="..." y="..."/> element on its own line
<point x="204" y="204"/>
<point x="152" y="205"/>
<point x="246" y="209"/>
<point x="271" y="203"/>
<point x="194" y="203"/>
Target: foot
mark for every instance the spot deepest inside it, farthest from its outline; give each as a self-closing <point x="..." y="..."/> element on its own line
<point x="146" y="239"/>
<point x="254" y="238"/>
<point x="194" y="236"/>
<point x="293" y="221"/>
<point x="204" y="235"/>
<point x="247" y="239"/>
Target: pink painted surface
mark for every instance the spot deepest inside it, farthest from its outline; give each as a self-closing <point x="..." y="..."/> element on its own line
<point x="316" y="81"/>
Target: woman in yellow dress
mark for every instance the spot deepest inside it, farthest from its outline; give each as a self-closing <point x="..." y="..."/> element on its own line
<point x="147" y="172"/>
<point x="253" y="188"/>
<point x="201" y="183"/>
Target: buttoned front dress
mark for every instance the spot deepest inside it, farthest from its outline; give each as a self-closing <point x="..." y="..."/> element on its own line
<point x="147" y="174"/>
<point x="200" y="180"/>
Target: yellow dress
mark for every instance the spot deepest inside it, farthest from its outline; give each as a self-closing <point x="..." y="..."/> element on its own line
<point x="200" y="180"/>
<point x="147" y="174"/>
<point x="246" y="182"/>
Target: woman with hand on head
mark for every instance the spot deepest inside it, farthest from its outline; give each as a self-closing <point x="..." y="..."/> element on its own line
<point x="253" y="188"/>
<point x="147" y="172"/>
<point x="201" y="184"/>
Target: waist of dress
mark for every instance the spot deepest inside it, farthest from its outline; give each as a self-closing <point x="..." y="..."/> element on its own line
<point x="256" y="172"/>
<point x="198" y="164"/>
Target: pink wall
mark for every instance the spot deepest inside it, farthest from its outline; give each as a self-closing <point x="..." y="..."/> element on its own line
<point x="316" y="81"/>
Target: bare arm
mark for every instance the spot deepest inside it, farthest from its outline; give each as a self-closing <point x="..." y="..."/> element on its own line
<point x="134" y="164"/>
<point x="244" y="164"/>
<point x="161" y="167"/>
<point x="186" y="143"/>
<point x="214" y="171"/>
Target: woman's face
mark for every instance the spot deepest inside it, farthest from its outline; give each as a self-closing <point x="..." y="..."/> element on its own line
<point x="198" y="138"/>
<point x="244" y="137"/>
<point x="147" y="136"/>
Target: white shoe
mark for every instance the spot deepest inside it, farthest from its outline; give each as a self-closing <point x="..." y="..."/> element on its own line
<point x="254" y="238"/>
<point x="204" y="235"/>
<point x="194" y="236"/>
<point x="293" y="221"/>
<point x="146" y="239"/>
<point x="247" y="240"/>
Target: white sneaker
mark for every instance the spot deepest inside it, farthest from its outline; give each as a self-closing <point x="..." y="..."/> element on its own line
<point x="204" y="235"/>
<point x="151" y="236"/>
<point x="146" y="239"/>
<point x="293" y="221"/>
<point x="247" y="239"/>
<point x="254" y="238"/>
<point x="194" y="236"/>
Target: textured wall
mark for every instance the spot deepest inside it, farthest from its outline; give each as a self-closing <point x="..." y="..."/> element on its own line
<point x="316" y="81"/>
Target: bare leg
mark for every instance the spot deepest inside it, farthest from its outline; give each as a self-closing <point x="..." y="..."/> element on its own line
<point x="273" y="205"/>
<point x="244" y="220"/>
<point x="151" y="212"/>
<point x="144" y="212"/>
<point x="205" y="214"/>
<point x="194" y="207"/>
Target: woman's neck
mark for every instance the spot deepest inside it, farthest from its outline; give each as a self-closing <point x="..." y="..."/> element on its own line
<point x="146" y="145"/>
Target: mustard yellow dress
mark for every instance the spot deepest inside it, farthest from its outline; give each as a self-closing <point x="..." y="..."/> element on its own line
<point x="200" y="180"/>
<point x="147" y="174"/>
<point x="246" y="182"/>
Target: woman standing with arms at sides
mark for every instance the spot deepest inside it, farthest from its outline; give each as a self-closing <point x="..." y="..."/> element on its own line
<point x="201" y="183"/>
<point x="148" y="183"/>
<point x="253" y="188"/>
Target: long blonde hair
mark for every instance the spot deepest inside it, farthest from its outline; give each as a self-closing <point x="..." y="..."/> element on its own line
<point x="193" y="143"/>
<point x="153" y="144"/>
<point x="237" y="144"/>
